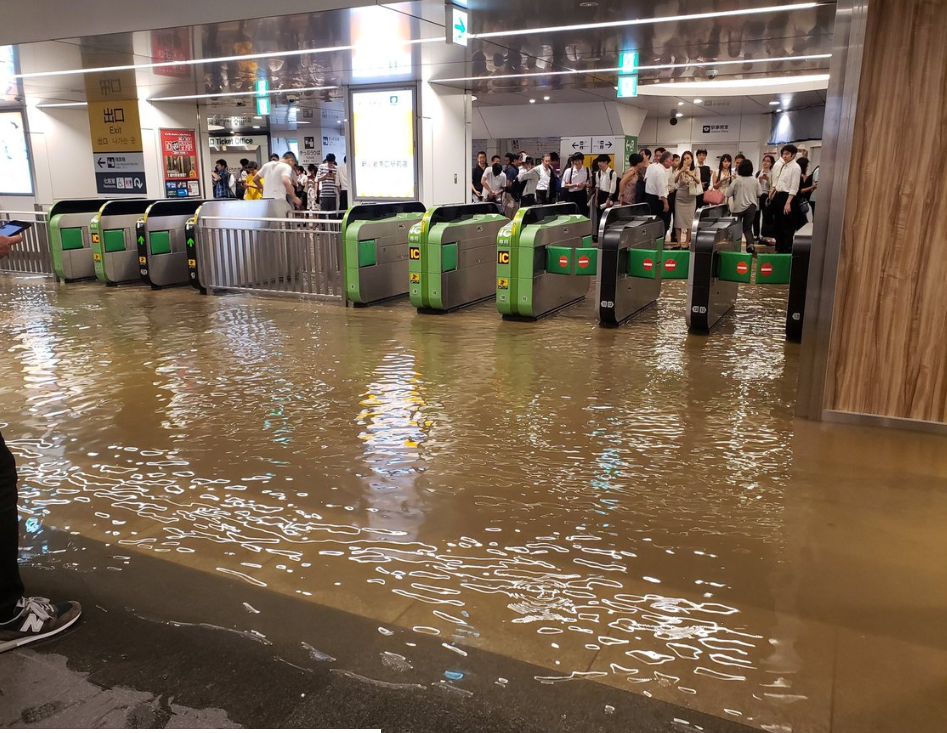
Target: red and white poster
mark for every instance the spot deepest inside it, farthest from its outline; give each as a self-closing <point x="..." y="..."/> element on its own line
<point x="179" y="150"/>
<point x="169" y="45"/>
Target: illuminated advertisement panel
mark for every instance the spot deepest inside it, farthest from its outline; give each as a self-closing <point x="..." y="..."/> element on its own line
<point x="383" y="145"/>
<point x="17" y="177"/>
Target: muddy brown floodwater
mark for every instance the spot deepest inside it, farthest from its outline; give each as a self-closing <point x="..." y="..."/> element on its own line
<point x="634" y="506"/>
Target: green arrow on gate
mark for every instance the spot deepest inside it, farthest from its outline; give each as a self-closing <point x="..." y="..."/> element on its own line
<point x="141" y="240"/>
<point x="190" y="242"/>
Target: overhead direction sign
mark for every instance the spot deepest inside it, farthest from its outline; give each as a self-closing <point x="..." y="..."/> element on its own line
<point x="457" y="21"/>
<point x="628" y="86"/>
<point x="628" y="62"/>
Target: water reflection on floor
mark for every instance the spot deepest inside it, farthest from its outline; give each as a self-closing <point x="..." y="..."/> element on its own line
<point x="635" y="506"/>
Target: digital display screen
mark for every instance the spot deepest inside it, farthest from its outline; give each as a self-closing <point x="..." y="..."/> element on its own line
<point x="383" y="125"/>
<point x="17" y="177"/>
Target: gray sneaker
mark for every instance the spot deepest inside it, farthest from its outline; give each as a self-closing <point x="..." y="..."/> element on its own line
<point x="37" y="619"/>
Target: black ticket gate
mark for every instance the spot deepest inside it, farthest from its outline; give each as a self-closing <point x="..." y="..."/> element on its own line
<point x="715" y="248"/>
<point x="631" y="241"/>
<point x="798" y="281"/>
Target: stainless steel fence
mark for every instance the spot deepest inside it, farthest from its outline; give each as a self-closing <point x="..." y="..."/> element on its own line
<point x="298" y="255"/>
<point x="32" y="255"/>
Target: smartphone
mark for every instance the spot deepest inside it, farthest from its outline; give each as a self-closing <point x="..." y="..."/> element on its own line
<point x="12" y="228"/>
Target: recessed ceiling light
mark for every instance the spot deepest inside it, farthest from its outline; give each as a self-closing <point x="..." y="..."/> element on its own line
<point x="679" y="114"/>
<point x="546" y="98"/>
<point x="650" y="21"/>
<point x="780" y="109"/>
<point x="680" y="104"/>
<point x="532" y="101"/>
<point x="239" y="94"/>
<point x="655" y="67"/>
<point x="698" y="101"/>
<point x="774" y="104"/>
<point x="256" y="127"/>
<point x="473" y="97"/>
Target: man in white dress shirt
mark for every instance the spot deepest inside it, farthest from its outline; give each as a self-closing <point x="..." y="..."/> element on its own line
<point x="656" y="187"/>
<point x="786" y="179"/>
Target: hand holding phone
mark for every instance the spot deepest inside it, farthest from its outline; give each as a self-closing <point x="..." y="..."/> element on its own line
<point x="14" y="227"/>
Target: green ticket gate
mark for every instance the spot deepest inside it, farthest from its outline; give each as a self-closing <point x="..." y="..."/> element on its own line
<point x="114" y="246"/>
<point x="161" y="240"/>
<point x="631" y="241"/>
<point x="375" y="250"/>
<point x="451" y="255"/>
<point x="70" y="241"/>
<point x="544" y="260"/>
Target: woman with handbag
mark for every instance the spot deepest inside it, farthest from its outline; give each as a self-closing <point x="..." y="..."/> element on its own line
<point x="763" y="224"/>
<point x="688" y="187"/>
<point x="720" y="184"/>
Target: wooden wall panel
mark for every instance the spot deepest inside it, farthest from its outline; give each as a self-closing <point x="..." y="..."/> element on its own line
<point x="888" y="352"/>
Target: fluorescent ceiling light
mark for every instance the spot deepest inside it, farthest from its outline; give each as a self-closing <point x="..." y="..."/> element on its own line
<point x="774" y="104"/>
<point x="763" y="81"/>
<point x="270" y="93"/>
<point x="62" y="104"/>
<point x="650" y="21"/>
<point x="656" y="67"/>
<point x="212" y="60"/>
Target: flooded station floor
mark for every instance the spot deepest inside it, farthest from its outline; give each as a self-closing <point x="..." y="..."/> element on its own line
<point x="636" y="508"/>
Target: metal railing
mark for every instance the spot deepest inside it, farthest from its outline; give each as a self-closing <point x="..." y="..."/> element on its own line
<point x="285" y="256"/>
<point x="32" y="255"/>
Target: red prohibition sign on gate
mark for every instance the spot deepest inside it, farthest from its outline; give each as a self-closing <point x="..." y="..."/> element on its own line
<point x="563" y="261"/>
<point x="742" y="267"/>
<point x="766" y="269"/>
<point x="648" y="264"/>
<point x="670" y="265"/>
<point x="583" y="261"/>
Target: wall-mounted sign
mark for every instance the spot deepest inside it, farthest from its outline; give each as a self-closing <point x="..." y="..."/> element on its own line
<point x="179" y="152"/>
<point x="458" y="25"/>
<point x="627" y="86"/>
<point x="383" y="129"/>
<point x="311" y="152"/>
<point x="171" y="45"/>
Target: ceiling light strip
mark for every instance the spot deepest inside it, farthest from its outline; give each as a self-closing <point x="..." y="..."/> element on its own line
<point x="653" y="21"/>
<point x="62" y="104"/>
<point x="248" y="93"/>
<point x="658" y="67"/>
<point x="213" y="60"/>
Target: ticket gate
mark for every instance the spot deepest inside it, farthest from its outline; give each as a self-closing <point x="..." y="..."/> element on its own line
<point x="451" y="255"/>
<point x="798" y="281"/>
<point x="631" y="241"/>
<point x="375" y="250"/>
<point x="715" y="251"/>
<point x="70" y="242"/>
<point x="114" y="247"/>
<point x="159" y="234"/>
<point x="544" y="259"/>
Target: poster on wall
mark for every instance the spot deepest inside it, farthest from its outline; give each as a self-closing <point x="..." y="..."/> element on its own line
<point x="383" y="129"/>
<point x="171" y="45"/>
<point x="17" y="176"/>
<point x="179" y="152"/>
<point x="310" y="153"/>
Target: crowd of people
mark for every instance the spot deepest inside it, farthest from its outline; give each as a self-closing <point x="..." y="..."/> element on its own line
<point x="315" y="188"/>
<point x="772" y="202"/>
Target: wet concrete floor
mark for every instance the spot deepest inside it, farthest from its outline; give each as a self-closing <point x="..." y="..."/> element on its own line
<point x="545" y="526"/>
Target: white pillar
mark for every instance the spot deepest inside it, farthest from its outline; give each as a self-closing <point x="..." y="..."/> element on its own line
<point x="445" y="145"/>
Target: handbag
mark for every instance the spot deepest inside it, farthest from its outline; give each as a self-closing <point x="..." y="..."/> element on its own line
<point x="694" y="186"/>
<point x="713" y="197"/>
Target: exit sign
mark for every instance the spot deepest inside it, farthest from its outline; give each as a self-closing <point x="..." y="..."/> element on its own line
<point x="628" y="86"/>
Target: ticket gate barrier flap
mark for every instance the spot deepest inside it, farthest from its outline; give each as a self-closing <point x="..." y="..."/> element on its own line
<point x="773" y="269"/>
<point x="632" y="242"/>
<point x="163" y="250"/>
<point x="70" y="238"/>
<point x="676" y="264"/>
<point x="375" y="250"/>
<point x="454" y="256"/>
<point x="526" y="289"/>
<point x="798" y="282"/>
<point x="710" y="297"/>
<point x="114" y="240"/>
<point x="736" y="267"/>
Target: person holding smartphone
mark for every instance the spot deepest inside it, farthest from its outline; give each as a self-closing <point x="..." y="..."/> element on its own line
<point x="23" y="619"/>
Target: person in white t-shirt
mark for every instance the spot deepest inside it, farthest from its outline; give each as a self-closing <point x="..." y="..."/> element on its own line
<point x="277" y="179"/>
<point x="494" y="184"/>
